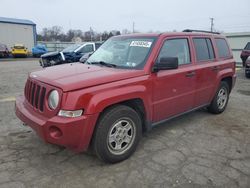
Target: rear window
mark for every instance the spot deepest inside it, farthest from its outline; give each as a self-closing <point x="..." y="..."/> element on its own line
<point x="204" y="49"/>
<point x="223" y="49"/>
<point x="247" y="47"/>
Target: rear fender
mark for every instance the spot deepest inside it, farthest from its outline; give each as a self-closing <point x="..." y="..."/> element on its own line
<point x="229" y="72"/>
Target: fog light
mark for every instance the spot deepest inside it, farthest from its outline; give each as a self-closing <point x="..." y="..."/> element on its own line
<point x="55" y="132"/>
<point x="68" y="113"/>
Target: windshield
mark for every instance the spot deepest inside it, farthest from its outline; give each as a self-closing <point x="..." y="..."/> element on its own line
<point x="123" y="52"/>
<point x="19" y="47"/>
<point x="71" y="48"/>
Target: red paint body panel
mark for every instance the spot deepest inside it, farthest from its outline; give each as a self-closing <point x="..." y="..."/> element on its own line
<point x="77" y="132"/>
<point x="92" y="88"/>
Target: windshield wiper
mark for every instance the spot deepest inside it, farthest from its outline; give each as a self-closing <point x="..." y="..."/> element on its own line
<point x="102" y="63"/>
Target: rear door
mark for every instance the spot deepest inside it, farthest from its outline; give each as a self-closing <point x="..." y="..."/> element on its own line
<point x="206" y="70"/>
<point x="173" y="90"/>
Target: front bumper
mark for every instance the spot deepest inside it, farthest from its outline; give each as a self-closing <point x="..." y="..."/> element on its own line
<point x="72" y="133"/>
<point x="19" y="53"/>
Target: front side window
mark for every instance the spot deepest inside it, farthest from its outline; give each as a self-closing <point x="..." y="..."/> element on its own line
<point x="204" y="49"/>
<point x="176" y="48"/>
<point x="124" y="52"/>
<point x="223" y="48"/>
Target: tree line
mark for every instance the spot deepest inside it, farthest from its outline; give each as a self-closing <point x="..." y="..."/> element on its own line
<point x="56" y="33"/>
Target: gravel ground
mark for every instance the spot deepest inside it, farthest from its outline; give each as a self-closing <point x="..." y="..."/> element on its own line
<point x="195" y="150"/>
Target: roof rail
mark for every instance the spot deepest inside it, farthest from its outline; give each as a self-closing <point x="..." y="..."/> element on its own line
<point x="202" y="31"/>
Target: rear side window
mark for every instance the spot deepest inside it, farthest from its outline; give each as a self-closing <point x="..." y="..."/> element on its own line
<point x="204" y="49"/>
<point x="176" y="48"/>
<point x="223" y="48"/>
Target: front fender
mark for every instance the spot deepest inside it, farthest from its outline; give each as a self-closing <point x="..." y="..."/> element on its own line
<point x="110" y="97"/>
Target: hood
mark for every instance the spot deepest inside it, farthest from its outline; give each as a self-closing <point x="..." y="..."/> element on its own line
<point x="50" y="54"/>
<point x="75" y="76"/>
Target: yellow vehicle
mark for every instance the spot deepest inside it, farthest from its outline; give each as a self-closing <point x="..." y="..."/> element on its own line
<point x="19" y="50"/>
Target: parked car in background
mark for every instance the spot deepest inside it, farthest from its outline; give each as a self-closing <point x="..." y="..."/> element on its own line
<point x="39" y="50"/>
<point x="245" y="54"/>
<point x="247" y="67"/>
<point x="19" y="50"/>
<point x="129" y="85"/>
<point x="70" y="54"/>
<point x="4" y="52"/>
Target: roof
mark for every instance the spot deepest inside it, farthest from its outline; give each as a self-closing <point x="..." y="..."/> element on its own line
<point x="16" y="21"/>
<point x="170" y="34"/>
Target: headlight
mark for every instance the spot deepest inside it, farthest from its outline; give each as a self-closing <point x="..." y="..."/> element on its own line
<point x="53" y="99"/>
<point x="68" y="113"/>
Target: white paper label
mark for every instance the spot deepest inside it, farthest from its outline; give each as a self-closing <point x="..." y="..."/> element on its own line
<point x="144" y="44"/>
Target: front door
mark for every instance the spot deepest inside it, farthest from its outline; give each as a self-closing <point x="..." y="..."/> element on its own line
<point x="173" y="90"/>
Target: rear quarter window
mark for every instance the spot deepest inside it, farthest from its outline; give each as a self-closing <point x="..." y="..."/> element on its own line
<point x="223" y="48"/>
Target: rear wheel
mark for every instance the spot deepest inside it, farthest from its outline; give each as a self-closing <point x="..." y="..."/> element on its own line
<point x="117" y="134"/>
<point x="220" y="100"/>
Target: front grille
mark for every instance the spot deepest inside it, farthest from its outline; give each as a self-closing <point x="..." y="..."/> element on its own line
<point x="35" y="94"/>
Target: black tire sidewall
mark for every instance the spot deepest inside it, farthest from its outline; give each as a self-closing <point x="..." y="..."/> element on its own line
<point x="102" y="131"/>
<point x="214" y="108"/>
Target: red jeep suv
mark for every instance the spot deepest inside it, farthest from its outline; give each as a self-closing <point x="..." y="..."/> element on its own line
<point x="129" y="85"/>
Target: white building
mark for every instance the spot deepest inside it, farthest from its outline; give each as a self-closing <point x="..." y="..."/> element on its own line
<point x="237" y="42"/>
<point x="17" y="31"/>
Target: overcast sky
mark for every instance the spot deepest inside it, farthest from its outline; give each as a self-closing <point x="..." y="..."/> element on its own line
<point x="154" y="15"/>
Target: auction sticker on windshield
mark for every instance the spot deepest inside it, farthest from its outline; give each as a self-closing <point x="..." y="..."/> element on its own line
<point x="144" y="44"/>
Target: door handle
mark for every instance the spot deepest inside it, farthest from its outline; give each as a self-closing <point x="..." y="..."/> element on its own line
<point x="215" y="68"/>
<point x="190" y="74"/>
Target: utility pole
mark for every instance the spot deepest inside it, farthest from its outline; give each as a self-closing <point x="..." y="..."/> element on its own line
<point x="133" y="29"/>
<point x="212" y="24"/>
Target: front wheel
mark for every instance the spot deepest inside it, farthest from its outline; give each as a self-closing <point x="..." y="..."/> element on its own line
<point x="117" y="135"/>
<point x="220" y="100"/>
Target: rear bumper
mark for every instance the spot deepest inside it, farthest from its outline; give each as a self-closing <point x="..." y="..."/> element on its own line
<point x="72" y="133"/>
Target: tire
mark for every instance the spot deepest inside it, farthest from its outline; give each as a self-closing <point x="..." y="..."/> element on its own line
<point x="117" y="134"/>
<point x="220" y="100"/>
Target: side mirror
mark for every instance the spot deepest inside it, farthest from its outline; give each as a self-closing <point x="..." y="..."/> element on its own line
<point x="166" y="63"/>
<point x="85" y="57"/>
